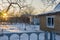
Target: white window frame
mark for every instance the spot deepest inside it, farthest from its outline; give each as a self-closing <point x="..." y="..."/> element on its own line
<point x="47" y="21"/>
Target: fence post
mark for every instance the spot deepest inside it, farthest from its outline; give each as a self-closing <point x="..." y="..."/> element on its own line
<point x="52" y="36"/>
<point x="29" y="36"/>
<point x="46" y="35"/>
<point x="37" y="36"/>
<point x="19" y="37"/>
<point x="8" y="37"/>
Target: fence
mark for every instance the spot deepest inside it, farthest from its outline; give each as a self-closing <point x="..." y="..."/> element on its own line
<point x="52" y="35"/>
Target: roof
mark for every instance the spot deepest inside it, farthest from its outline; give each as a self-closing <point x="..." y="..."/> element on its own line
<point x="51" y="12"/>
<point x="57" y="8"/>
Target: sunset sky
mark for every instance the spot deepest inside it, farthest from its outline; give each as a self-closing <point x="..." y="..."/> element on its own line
<point x="37" y="4"/>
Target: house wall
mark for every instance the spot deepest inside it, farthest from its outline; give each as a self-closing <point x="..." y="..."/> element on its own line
<point x="57" y="23"/>
<point x="43" y="25"/>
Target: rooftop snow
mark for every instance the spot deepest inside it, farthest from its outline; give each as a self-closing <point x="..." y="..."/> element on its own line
<point x="57" y="8"/>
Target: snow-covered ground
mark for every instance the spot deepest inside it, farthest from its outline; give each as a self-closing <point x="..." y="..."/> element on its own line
<point x="20" y="28"/>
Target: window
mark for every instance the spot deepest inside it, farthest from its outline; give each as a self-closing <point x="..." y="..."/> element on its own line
<point x="50" y="21"/>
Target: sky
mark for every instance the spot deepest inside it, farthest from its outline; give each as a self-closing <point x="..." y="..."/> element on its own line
<point x="40" y="7"/>
<point x="37" y="4"/>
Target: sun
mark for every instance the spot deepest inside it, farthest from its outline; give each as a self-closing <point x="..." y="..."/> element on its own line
<point x="5" y="16"/>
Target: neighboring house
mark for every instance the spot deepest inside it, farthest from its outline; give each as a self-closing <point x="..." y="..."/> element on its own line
<point x="34" y="19"/>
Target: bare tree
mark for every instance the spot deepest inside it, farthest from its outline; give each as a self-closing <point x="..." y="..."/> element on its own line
<point x="20" y="3"/>
<point x="48" y="3"/>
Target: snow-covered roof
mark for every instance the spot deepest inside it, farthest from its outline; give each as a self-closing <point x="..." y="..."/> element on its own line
<point x="50" y="12"/>
<point x="57" y="8"/>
